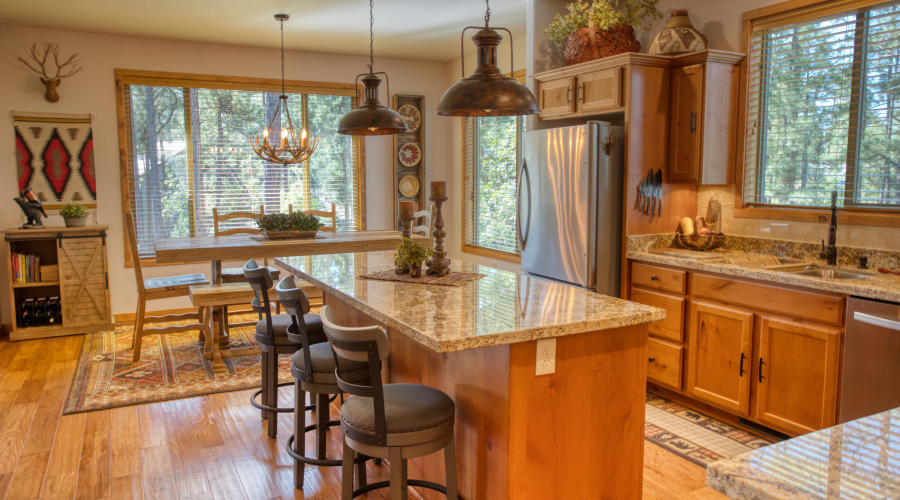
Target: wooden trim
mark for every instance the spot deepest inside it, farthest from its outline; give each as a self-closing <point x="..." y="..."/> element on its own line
<point x="795" y="11"/>
<point x="853" y="217"/>
<point x="494" y="254"/>
<point x="123" y="162"/>
<point x="361" y="173"/>
<point x="139" y="77"/>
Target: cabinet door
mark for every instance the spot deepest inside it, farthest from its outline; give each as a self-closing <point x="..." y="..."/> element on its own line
<point x="672" y="327"/>
<point x="797" y="375"/>
<point x="720" y="357"/>
<point x="686" y="124"/>
<point x="600" y="90"/>
<point x="83" y="285"/>
<point x="664" y="363"/>
<point x="555" y="97"/>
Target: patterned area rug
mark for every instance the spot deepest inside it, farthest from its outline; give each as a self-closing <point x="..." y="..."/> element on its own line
<point x="694" y="436"/>
<point x="171" y="367"/>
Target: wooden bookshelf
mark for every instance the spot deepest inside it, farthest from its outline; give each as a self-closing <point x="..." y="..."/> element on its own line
<point x="83" y="284"/>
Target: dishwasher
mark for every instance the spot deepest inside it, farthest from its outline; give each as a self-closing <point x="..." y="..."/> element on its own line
<point x="871" y="365"/>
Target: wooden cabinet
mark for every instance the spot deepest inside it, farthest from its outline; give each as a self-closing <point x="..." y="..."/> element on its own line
<point x="80" y="285"/>
<point x="796" y="374"/>
<point x="703" y="115"/>
<point x="672" y="327"/>
<point x="721" y="339"/>
<point x="660" y="278"/>
<point x="555" y="97"/>
<point x="664" y="362"/>
<point x="592" y="92"/>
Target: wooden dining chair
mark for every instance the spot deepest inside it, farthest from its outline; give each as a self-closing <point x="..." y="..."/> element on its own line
<point x="322" y="214"/>
<point x="427" y="225"/>
<point x="160" y="288"/>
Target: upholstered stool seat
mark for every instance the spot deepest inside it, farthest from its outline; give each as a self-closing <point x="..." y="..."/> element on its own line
<point x="280" y="324"/>
<point x="408" y="409"/>
<point x="322" y="361"/>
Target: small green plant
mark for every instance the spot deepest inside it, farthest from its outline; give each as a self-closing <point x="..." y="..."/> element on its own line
<point x="412" y="253"/>
<point x="73" y="210"/>
<point x="607" y="13"/>
<point x="296" y="221"/>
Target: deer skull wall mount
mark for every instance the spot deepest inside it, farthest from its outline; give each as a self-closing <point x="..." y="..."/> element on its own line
<point x="64" y="69"/>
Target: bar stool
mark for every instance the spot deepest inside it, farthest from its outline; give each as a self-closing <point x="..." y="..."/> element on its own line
<point x="393" y="421"/>
<point x="318" y="379"/>
<point x="271" y="336"/>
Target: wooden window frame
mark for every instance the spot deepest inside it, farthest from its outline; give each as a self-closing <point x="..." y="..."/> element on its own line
<point x="519" y="75"/>
<point x="139" y="77"/>
<point x="789" y="12"/>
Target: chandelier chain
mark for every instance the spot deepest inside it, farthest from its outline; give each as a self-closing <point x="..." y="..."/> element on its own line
<point x="487" y="13"/>
<point x="282" y="56"/>
<point x="371" y="34"/>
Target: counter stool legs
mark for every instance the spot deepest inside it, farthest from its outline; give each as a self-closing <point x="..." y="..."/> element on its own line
<point x="299" y="433"/>
<point x="450" y="467"/>
<point x="399" y="480"/>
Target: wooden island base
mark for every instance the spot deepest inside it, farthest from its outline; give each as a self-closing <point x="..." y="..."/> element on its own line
<point x="577" y="433"/>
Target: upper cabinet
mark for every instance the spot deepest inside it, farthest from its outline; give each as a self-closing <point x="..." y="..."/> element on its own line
<point x="598" y="91"/>
<point x="703" y="114"/>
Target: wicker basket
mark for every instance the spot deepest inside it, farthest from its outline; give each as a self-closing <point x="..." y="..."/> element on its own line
<point x="591" y="43"/>
<point x="699" y="242"/>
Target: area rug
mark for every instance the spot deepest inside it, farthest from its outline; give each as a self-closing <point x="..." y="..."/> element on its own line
<point x="171" y="367"/>
<point x="696" y="437"/>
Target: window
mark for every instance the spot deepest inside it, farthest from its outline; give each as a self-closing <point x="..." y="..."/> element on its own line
<point x="186" y="146"/>
<point x="824" y="107"/>
<point x="491" y="168"/>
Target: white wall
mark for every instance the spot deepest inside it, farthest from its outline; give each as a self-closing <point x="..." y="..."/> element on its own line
<point x="93" y="91"/>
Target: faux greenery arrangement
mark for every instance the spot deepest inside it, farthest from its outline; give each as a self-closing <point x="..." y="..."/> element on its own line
<point x="607" y="14"/>
<point x="296" y="221"/>
<point x="411" y="255"/>
<point x="73" y="210"/>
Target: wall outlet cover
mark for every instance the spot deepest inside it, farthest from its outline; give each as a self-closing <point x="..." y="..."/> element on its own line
<point x="545" y="363"/>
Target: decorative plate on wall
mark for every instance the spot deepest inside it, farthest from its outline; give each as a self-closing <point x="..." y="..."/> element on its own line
<point x="409" y="186"/>
<point x="412" y="116"/>
<point x="410" y="154"/>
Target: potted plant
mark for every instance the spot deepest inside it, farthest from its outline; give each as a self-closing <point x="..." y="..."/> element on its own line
<point x="410" y="257"/>
<point x="74" y="214"/>
<point x="280" y="226"/>
<point x="602" y="28"/>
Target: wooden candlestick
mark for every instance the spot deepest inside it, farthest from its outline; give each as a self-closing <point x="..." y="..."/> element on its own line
<point x="406" y="225"/>
<point x="439" y="264"/>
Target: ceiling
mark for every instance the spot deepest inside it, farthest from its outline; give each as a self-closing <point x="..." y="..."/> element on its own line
<point x="406" y="29"/>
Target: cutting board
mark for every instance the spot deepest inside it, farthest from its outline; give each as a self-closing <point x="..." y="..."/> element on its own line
<point x="686" y="254"/>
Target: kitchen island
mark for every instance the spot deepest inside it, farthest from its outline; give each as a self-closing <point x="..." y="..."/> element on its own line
<point x="575" y="433"/>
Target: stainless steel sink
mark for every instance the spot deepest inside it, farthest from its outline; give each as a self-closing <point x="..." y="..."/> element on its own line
<point x="831" y="274"/>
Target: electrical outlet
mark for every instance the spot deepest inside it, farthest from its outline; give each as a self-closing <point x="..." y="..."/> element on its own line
<point x="545" y="363"/>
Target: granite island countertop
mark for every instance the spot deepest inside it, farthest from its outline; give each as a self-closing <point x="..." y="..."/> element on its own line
<point x="875" y="286"/>
<point x="501" y="308"/>
<point x="858" y="459"/>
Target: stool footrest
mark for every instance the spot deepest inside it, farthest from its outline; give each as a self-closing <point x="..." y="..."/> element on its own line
<point x="410" y="482"/>
<point x="270" y="408"/>
<point x="315" y="461"/>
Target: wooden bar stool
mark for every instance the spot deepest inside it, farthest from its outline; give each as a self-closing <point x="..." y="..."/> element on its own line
<point x="313" y="370"/>
<point x="213" y="298"/>
<point x="393" y="421"/>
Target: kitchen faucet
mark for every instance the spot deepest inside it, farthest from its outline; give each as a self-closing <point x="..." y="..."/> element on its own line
<point x="830" y="252"/>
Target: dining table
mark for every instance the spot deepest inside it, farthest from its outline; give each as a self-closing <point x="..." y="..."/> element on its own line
<point x="242" y="247"/>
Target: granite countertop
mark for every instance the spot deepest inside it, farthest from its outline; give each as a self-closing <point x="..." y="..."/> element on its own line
<point x="501" y="308"/>
<point x="876" y="286"/>
<point x="859" y="459"/>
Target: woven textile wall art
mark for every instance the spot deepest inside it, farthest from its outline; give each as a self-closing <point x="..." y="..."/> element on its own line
<point x="55" y="158"/>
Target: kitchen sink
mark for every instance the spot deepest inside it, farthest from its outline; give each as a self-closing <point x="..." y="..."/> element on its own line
<point x="832" y="274"/>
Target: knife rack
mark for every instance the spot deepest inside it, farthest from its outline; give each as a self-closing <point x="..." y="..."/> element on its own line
<point x="649" y="199"/>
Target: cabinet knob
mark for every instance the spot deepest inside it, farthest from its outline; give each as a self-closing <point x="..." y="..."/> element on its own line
<point x="653" y="277"/>
<point x="651" y="359"/>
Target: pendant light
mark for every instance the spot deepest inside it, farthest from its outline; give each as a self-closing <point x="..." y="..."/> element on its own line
<point x="289" y="150"/>
<point x="371" y="117"/>
<point x="487" y="92"/>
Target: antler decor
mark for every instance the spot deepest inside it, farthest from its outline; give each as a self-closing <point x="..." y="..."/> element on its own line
<point x="63" y="70"/>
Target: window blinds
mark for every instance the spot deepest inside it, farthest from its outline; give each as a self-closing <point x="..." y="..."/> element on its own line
<point x="824" y="111"/>
<point x="188" y="150"/>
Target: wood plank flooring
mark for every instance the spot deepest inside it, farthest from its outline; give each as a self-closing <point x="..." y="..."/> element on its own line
<point x="209" y="447"/>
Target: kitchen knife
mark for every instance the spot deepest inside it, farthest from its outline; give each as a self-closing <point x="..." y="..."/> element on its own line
<point x="648" y="191"/>
<point x="658" y="192"/>
<point x="642" y="199"/>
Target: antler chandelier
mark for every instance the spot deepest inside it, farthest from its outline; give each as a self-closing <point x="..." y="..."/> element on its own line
<point x="290" y="149"/>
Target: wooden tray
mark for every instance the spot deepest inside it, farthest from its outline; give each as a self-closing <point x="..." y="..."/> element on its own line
<point x="288" y="235"/>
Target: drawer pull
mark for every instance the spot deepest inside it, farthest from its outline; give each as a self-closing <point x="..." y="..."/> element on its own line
<point x="651" y="359"/>
<point x="653" y="277"/>
<point x="761" y="363"/>
<point x="568" y="95"/>
<point x="743" y="357"/>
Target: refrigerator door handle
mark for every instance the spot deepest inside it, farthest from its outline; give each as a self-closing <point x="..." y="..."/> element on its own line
<point x="523" y="235"/>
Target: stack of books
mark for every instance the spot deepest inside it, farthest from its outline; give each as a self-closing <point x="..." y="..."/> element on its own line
<point x="26" y="268"/>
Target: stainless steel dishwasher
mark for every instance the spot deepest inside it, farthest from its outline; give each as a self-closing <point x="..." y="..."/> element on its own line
<point x="871" y="366"/>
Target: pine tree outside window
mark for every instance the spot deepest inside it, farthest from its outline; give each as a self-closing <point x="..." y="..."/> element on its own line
<point x="824" y="108"/>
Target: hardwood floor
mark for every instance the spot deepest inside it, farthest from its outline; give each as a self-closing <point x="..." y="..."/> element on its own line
<point x="212" y="446"/>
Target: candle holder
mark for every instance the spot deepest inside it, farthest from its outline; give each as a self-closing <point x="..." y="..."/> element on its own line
<point x="439" y="264"/>
<point x="406" y="225"/>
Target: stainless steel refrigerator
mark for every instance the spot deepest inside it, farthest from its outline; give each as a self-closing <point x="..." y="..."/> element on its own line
<point x="570" y="205"/>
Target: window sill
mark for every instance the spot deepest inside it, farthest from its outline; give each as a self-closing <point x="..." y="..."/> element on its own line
<point x="493" y="254"/>
<point x="151" y="262"/>
<point x="845" y="216"/>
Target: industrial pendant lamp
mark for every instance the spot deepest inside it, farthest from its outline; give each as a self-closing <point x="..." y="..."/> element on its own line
<point x="487" y="92"/>
<point x="290" y="149"/>
<point x="371" y="117"/>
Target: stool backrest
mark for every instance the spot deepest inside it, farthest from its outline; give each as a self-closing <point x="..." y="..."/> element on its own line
<point x="260" y="281"/>
<point x="296" y="303"/>
<point x="367" y="344"/>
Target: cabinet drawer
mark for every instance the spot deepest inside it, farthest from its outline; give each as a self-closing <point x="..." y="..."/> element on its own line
<point x="673" y="326"/>
<point x="664" y="363"/>
<point x="815" y="306"/>
<point x="661" y="278"/>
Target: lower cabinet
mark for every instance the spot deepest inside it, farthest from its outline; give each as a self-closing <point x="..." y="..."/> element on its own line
<point x="664" y="362"/>
<point x="797" y="374"/>
<point x="721" y="342"/>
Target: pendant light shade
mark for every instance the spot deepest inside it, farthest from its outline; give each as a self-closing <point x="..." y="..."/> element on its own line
<point x="372" y="117"/>
<point x="487" y="92"/>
